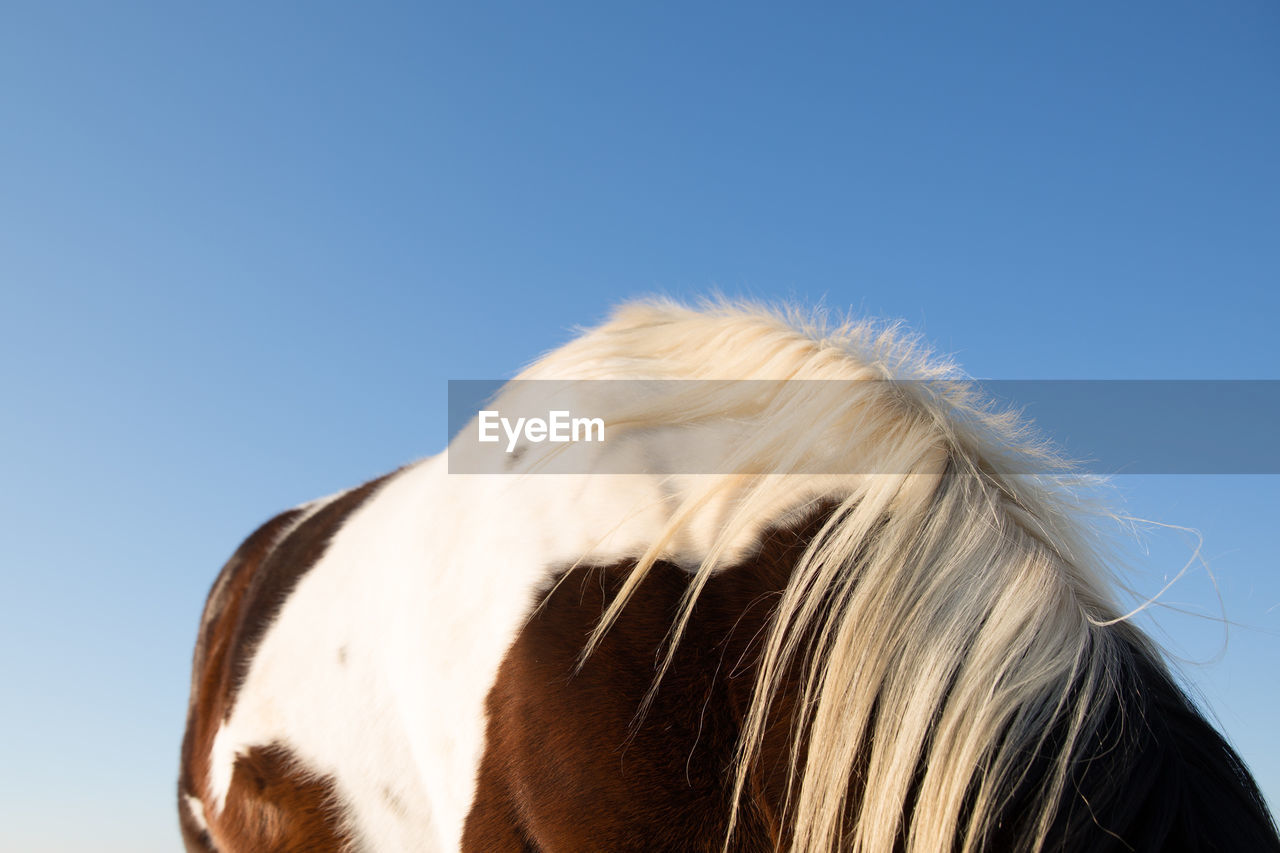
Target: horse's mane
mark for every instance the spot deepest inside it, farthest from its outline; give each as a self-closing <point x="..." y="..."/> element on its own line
<point x="966" y="675"/>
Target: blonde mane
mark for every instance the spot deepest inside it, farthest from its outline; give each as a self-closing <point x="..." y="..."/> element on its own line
<point x="951" y="612"/>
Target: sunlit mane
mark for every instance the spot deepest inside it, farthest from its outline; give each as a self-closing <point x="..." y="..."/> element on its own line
<point x="950" y="614"/>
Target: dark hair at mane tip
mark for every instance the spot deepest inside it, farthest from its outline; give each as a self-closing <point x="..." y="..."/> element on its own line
<point x="966" y="680"/>
<point x="1152" y="774"/>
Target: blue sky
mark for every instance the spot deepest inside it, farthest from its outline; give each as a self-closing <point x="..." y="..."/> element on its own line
<point x="243" y="247"/>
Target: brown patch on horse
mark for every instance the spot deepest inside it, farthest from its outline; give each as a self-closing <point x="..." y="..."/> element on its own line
<point x="274" y="806"/>
<point x="209" y="669"/>
<point x="245" y="600"/>
<point x="567" y="766"/>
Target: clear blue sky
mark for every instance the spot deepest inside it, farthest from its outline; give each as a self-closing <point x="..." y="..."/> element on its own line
<point x="243" y="247"/>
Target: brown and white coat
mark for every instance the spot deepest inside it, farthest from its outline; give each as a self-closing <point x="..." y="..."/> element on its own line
<point x="396" y="668"/>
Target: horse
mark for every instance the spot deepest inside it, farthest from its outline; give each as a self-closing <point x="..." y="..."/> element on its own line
<point x="832" y="598"/>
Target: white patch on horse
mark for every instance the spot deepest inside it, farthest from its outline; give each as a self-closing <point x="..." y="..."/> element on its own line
<point x="377" y="667"/>
<point x="196" y="809"/>
<point x="222" y="759"/>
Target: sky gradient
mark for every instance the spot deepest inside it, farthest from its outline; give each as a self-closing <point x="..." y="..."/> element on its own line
<point x="243" y="247"/>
